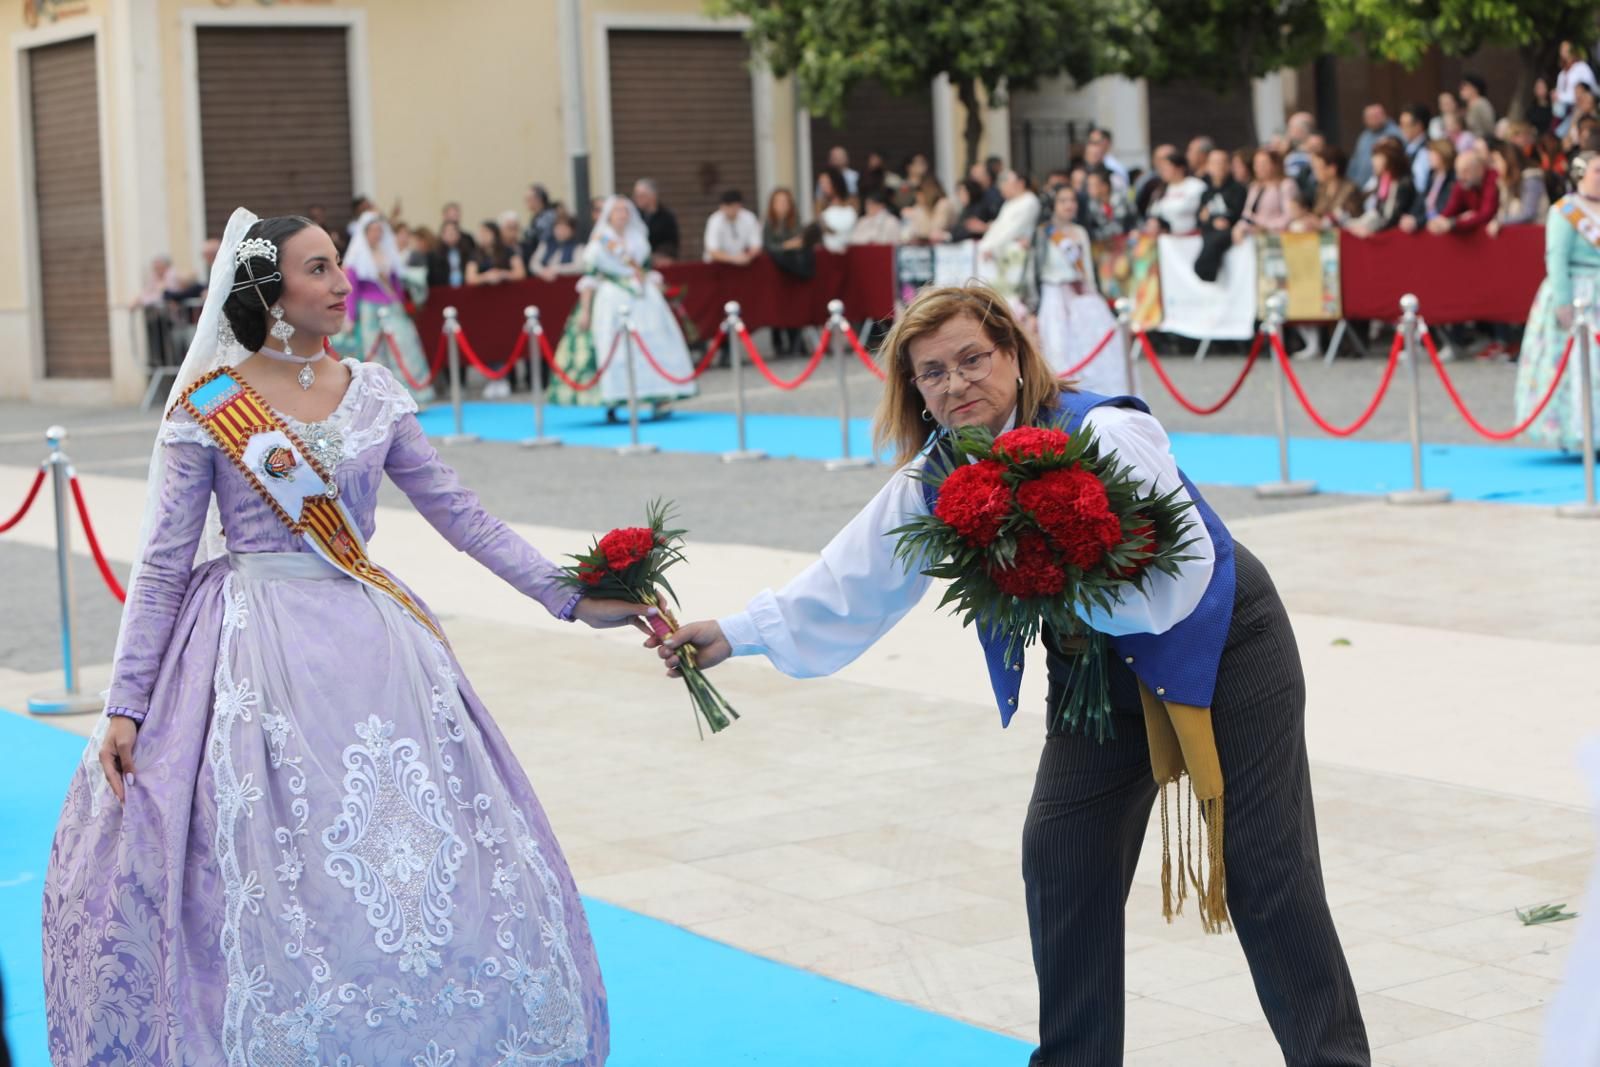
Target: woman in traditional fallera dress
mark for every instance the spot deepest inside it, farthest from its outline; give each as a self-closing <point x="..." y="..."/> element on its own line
<point x="1572" y="269"/>
<point x="1072" y="316"/>
<point x="615" y="273"/>
<point x="1206" y="658"/>
<point x="320" y="848"/>
<point x="379" y="279"/>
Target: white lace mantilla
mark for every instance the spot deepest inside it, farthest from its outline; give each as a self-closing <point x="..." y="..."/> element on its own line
<point x="363" y="419"/>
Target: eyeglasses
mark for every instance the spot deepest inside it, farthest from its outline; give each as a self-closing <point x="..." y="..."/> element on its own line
<point x="972" y="369"/>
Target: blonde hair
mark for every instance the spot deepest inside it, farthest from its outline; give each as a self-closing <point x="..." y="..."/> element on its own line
<point x="899" y="419"/>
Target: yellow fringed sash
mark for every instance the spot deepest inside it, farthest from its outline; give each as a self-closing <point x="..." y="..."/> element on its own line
<point x="1182" y="742"/>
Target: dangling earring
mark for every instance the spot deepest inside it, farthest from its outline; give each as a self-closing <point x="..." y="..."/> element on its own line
<point x="1019" y="381"/>
<point x="281" y="331"/>
<point x="925" y="416"/>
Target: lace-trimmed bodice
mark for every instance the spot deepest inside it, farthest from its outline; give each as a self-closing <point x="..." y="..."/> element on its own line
<point x="363" y="419"/>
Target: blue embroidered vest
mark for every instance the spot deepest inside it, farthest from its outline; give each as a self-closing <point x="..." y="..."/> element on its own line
<point x="1179" y="665"/>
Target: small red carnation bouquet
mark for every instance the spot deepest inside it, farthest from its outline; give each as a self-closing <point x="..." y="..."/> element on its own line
<point x="630" y="563"/>
<point x="1035" y="528"/>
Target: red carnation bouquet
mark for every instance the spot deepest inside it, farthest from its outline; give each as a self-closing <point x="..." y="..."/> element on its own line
<point x="630" y="563"/>
<point x="1035" y="526"/>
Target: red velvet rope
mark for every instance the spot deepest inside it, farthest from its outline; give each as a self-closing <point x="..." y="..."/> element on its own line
<point x="1072" y="372"/>
<point x="33" y="491"/>
<point x="567" y="379"/>
<point x="699" y="369"/>
<point x="1455" y="397"/>
<point x="439" y="356"/>
<point x="1305" y="401"/>
<point x="1155" y="363"/>
<point x="861" y="353"/>
<point x="766" y="372"/>
<point x="482" y="368"/>
<point x="94" y="544"/>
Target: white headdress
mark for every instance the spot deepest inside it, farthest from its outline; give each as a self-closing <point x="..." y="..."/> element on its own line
<point x="361" y="259"/>
<point x="635" y="235"/>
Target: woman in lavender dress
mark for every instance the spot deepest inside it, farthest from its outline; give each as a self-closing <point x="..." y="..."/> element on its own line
<point x="298" y="837"/>
<point x="378" y="276"/>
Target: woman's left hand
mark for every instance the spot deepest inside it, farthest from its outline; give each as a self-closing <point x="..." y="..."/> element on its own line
<point x="609" y="614"/>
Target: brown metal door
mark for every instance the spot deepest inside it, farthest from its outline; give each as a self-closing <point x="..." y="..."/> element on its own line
<point x="274" y="121"/>
<point x="65" y="113"/>
<point x="681" y="113"/>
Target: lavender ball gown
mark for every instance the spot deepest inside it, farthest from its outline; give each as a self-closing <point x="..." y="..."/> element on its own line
<point x="330" y="855"/>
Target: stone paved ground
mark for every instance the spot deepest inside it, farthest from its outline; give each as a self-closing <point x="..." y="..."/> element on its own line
<point x="867" y="826"/>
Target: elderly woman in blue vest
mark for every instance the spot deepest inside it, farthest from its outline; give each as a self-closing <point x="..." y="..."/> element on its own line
<point x="1214" y="636"/>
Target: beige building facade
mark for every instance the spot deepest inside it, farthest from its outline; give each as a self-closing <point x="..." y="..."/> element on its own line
<point x="135" y="126"/>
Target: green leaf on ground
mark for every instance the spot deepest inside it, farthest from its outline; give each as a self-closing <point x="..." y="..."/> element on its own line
<point x="1545" y="913"/>
<point x="1341" y="642"/>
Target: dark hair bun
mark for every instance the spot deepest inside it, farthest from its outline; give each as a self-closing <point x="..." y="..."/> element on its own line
<point x="248" y="308"/>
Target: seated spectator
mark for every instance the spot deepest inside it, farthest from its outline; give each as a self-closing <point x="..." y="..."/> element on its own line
<point x="972" y="219"/>
<point x="1456" y="132"/>
<point x="1176" y="210"/>
<point x="1376" y="125"/>
<point x="1475" y="200"/>
<point x="836" y="215"/>
<point x="562" y="253"/>
<point x="1522" y="193"/>
<point x="875" y="176"/>
<point x="877" y="224"/>
<point x="1104" y="215"/>
<point x="1268" y="206"/>
<point x="1583" y="107"/>
<point x="541" y="220"/>
<point x="1448" y="105"/>
<point x="1479" y="112"/>
<point x="1242" y="167"/>
<point x="1431" y="201"/>
<point x="1541" y="113"/>
<point x="419" y="248"/>
<point x="1390" y="194"/>
<point x="511" y="236"/>
<point x="733" y="233"/>
<point x="915" y="169"/>
<point x="1337" y="200"/>
<point x="1414" y="138"/>
<point x="839" y="160"/>
<point x="659" y="221"/>
<point x="495" y="261"/>
<point x="447" y="264"/>
<point x="783" y="239"/>
<point x="161" y="280"/>
<point x="1221" y="207"/>
<point x="930" y="217"/>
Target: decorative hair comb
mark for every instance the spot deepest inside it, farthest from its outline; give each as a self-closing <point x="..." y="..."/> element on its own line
<point x="255" y="248"/>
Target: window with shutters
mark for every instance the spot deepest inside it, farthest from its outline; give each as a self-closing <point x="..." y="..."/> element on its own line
<point x="65" y="115"/>
<point x="274" y="121"/>
<point x="681" y="113"/>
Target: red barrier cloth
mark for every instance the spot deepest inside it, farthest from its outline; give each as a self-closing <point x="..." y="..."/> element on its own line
<point x="1457" y="277"/>
<point x="863" y="277"/>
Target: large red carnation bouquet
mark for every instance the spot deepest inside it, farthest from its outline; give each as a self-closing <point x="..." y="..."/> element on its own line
<point x="1033" y="528"/>
<point x="630" y="563"/>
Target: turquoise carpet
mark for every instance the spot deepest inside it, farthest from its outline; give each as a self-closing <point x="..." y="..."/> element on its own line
<point x="1504" y="474"/>
<point x="677" y="999"/>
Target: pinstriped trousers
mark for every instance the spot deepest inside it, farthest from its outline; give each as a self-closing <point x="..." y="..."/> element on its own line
<point x="1080" y="845"/>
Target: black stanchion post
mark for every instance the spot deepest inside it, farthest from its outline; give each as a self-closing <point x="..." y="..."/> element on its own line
<point x="1582" y="342"/>
<point x="1413" y="354"/>
<point x="68" y="700"/>
<point x="1276" y="305"/>
<point x="539" y="375"/>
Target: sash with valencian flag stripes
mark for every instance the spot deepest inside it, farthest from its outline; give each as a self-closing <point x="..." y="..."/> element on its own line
<point x="289" y="479"/>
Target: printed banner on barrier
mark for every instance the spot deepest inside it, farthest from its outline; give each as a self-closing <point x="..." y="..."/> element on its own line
<point x="1127" y="267"/>
<point x="1304" y="267"/>
<point x="1223" y="310"/>
<point x="919" y="266"/>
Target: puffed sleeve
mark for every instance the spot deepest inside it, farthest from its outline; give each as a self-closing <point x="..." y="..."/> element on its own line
<point x="165" y="568"/>
<point x="835" y="609"/>
<point x="1139" y="441"/>
<point x="452" y="509"/>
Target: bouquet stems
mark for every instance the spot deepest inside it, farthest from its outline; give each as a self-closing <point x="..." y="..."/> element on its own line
<point x="1086" y="702"/>
<point x="708" y="703"/>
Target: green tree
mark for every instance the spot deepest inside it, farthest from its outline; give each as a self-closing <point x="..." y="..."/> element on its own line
<point x="1403" y="32"/>
<point x="829" y="46"/>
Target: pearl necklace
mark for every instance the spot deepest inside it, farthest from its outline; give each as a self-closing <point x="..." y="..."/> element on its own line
<point x="307" y="377"/>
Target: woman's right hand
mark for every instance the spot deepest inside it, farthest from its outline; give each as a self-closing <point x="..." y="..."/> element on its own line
<point x="1564" y="316"/>
<point x="116" y="754"/>
<point x="583" y="320"/>
<point x="710" y="645"/>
